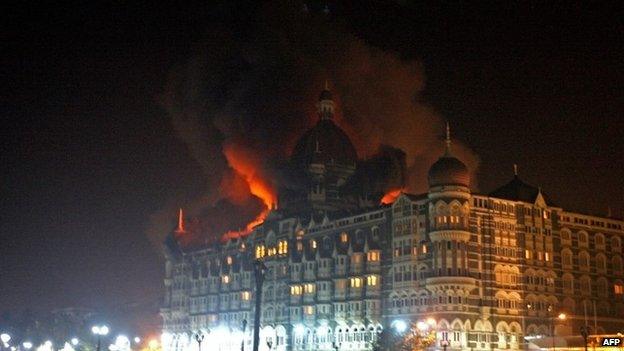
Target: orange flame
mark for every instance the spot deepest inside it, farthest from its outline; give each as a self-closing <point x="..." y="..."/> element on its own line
<point x="247" y="166"/>
<point x="391" y="196"/>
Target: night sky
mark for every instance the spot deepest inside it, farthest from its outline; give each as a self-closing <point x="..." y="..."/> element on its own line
<point x="88" y="153"/>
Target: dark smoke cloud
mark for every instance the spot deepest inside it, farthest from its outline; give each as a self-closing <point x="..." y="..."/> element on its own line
<point x="256" y="88"/>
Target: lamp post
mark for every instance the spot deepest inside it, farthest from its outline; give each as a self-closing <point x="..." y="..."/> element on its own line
<point x="243" y="338"/>
<point x="99" y="330"/>
<point x="259" y="271"/>
<point x="585" y="330"/>
<point x="561" y="316"/>
<point x="5" y="338"/>
<point x="199" y="337"/>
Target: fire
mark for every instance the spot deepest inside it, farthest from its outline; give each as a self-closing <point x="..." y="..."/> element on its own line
<point x="391" y="196"/>
<point x="244" y="163"/>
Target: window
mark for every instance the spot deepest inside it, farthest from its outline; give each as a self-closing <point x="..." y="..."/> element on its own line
<point x="295" y="290"/>
<point x="527" y="254"/>
<point x="309" y="310"/>
<point x="618" y="289"/>
<point x="371" y="280"/>
<point x="225" y="279"/>
<point x="356" y="282"/>
<point x="566" y="257"/>
<point x="313" y="244"/>
<point x="343" y="237"/>
<point x="228" y="260"/>
<point x="282" y="247"/>
<point x="547" y="256"/>
<point x="309" y="288"/>
<point x="260" y="251"/>
<point x="245" y="295"/>
<point x="372" y="256"/>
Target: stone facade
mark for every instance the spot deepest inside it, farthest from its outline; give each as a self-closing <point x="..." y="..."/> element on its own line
<point x="489" y="269"/>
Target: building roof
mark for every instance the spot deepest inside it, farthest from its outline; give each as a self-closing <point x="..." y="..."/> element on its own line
<point x="518" y="190"/>
<point x="325" y="143"/>
<point x="448" y="170"/>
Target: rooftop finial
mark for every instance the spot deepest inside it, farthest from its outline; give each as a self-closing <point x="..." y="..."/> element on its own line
<point x="180" y="228"/>
<point x="515" y="170"/>
<point x="448" y="139"/>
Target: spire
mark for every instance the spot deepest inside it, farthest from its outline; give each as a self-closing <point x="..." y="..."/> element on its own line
<point x="180" y="228"/>
<point x="326" y="103"/>
<point x="448" y="140"/>
<point x="515" y="168"/>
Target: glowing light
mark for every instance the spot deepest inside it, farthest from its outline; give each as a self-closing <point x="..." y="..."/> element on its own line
<point x="391" y="196"/>
<point x="400" y="326"/>
<point x="137" y="340"/>
<point x="299" y="329"/>
<point x="431" y="322"/>
<point x="422" y="326"/>
<point x="153" y="344"/>
<point x="562" y="316"/>
<point x="74" y="341"/>
<point x="99" y="330"/>
<point x="5" y="338"/>
<point x="67" y="347"/>
<point x="27" y="345"/>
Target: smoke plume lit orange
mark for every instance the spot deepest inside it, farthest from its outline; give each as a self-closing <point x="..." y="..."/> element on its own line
<point x="247" y="166"/>
<point x="391" y="196"/>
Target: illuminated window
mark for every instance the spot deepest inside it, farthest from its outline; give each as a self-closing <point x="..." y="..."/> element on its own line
<point x="260" y="251"/>
<point x="309" y="288"/>
<point x="309" y="310"/>
<point x="313" y="244"/>
<point x="356" y="282"/>
<point x="271" y="251"/>
<point x="282" y="247"/>
<point x="295" y="290"/>
<point x="299" y="246"/>
<point x="618" y="289"/>
<point x="424" y="248"/>
<point x="527" y="254"/>
<point x="372" y="256"/>
<point x="371" y="280"/>
<point x="228" y="260"/>
<point x="245" y="295"/>
<point x="225" y="279"/>
<point x="343" y="237"/>
<point x="547" y="256"/>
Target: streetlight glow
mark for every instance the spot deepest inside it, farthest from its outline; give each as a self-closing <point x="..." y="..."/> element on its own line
<point x="153" y="344"/>
<point x="5" y="338"/>
<point x="562" y="316"/>
<point x="74" y="341"/>
<point x="27" y="345"/>
<point x="137" y="340"/>
<point x="400" y="326"/>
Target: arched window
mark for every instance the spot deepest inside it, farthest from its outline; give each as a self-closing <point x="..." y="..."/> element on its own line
<point x="582" y="238"/>
<point x="601" y="262"/>
<point x="615" y="244"/>
<point x="602" y="287"/>
<point x="584" y="260"/>
<point x="616" y="263"/>
<point x="566" y="257"/>
<point x="568" y="283"/>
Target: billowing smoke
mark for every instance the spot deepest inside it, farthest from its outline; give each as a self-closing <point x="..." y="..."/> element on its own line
<point x="247" y="94"/>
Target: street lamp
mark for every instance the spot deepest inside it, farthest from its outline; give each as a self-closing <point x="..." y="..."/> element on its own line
<point x="585" y="330"/>
<point x="74" y="341"/>
<point x="243" y="340"/>
<point x="27" y="345"/>
<point x="259" y="271"/>
<point x="5" y="338"/>
<point x="199" y="337"/>
<point x="99" y="330"/>
<point x="561" y="316"/>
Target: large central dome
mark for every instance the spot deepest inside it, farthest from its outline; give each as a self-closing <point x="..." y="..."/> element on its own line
<point x="325" y="143"/>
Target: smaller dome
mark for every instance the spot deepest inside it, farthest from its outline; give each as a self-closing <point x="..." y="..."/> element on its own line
<point x="448" y="170"/>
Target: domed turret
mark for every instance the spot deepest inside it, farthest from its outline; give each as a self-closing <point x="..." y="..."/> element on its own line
<point x="325" y="143"/>
<point x="448" y="170"/>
